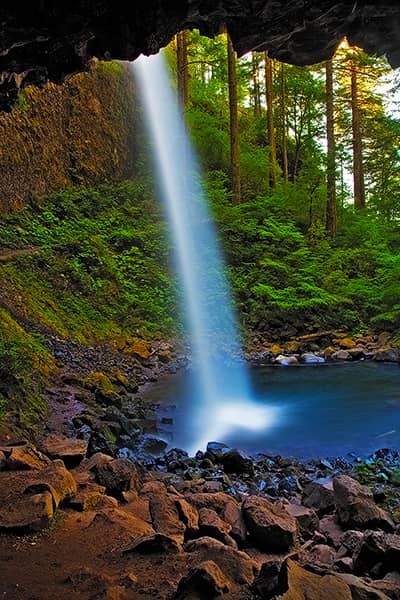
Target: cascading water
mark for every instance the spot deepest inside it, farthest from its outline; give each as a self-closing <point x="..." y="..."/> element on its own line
<point x="221" y="395"/>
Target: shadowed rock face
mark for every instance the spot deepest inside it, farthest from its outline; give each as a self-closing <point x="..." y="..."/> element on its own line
<point x="49" y="40"/>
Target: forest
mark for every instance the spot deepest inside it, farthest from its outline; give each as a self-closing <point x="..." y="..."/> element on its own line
<point x="149" y="448"/>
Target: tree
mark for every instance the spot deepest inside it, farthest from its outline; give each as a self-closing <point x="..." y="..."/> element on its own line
<point x="270" y="117"/>
<point x="182" y="67"/>
<point x="358" y="172"/>
<point x="255" y="64"/>
<point x="285" y="164"/>
<point x="234" y="126"/>
<point x="331" y="151"/>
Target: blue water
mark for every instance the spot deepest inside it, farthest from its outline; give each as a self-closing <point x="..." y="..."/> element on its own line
<point x="315" y="410"/>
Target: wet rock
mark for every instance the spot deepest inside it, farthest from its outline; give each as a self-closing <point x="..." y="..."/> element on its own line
<point x="153" y="446"/>
<point x="387" y="355"/>
<point x="235" y="564"/>
<point x="165" y="517"/>
<point x="24" y="457"/>
<point x="205" y="581"/>
<point x="211" y="525"/>
<point x="99" y="443"/>
<point x="346" y="343"/>
<point x="319" y="496"/>
<point x="236" y="461"/>
<point x="284" y="360"/>
<point x="309" y="357"/>
<point x="214" y="450"/>
<point x="306" y="518"/>
<point x="154" y="543"/>
<point x="341" y="355"/>
<point x="70" y="451"/>
<point x="271" y="527"/>
<point x="118" y="475"/>
<point x="355" y="506"/>
<point x="289" y="485"/>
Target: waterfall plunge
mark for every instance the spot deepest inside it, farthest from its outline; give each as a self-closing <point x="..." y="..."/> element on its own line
<point x="221" y="395"/>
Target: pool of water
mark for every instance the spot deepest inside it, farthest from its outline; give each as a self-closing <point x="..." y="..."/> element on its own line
<point x="316" y="410"/>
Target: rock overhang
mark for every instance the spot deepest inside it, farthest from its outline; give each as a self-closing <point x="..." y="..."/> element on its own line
<point x="48" y="41"/>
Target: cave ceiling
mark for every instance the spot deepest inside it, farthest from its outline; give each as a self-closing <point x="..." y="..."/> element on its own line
<point x="48" y="40"/>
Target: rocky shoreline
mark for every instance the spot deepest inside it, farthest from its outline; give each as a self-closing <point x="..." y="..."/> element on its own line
<point x="95" y="505"/>
<point x="89" y="525"/>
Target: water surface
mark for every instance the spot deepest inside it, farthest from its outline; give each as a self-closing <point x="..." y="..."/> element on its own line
<point x="315" y="410"/>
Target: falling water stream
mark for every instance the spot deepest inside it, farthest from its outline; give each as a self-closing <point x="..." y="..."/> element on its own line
<point x="220" y="393"/>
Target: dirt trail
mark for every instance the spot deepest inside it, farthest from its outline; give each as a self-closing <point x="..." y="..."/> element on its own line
<point x="7" y="254"/>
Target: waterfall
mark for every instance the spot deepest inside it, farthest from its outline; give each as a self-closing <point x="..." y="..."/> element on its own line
<point x="220" y="391"/>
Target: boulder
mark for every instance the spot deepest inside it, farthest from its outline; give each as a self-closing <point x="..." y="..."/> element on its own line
<point x="154" y="544"/>
<point x="31" y="513"/>
<point x="70" y="451"/>
<point x="3" y="460"/>
<point x="303" y="585"/>
<point x="332" y="530"/>
<point x="306" y="518"/>
<point x="88" y="497"/>
<point x="211" y="525"/>
<point x="355" y="506"/>
<point x="360" y="589"/>
<point x="378" y="552"/>
<point x="309" y="357"/>
<point x="232" y="515"/>
<point x="341" y="355"/>
<point x="235" y="564"/>
<point x="236" y="461"/>
<point x="319" y="495"/>
<point x="268" y="583"/>
<point x="54" y="479"/>
<point x="271" y="528"/>
<point x="320" y="556"/>
<point x="24" y="457"/>
<point x="282" y="359"/>
<point x="189" y="516"/>
<point x="206" y="580"/>
<point x="387" y="355"/>
<point x="118" y="475"/>
<point x="165" y="517"/>
<point x="112" y="518"/>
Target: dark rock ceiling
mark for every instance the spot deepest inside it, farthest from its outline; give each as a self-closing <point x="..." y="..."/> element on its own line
<point x="49" y="39"/>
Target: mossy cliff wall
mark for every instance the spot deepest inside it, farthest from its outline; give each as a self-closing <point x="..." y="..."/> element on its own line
<point x="81" y="132"/>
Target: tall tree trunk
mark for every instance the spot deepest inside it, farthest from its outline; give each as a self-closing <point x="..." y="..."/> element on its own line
<point x="331" y="152"/>
<point x="182" y="68"/>
<point x="358" y="171"/>
<point x="285" y="163"/>
<point x="270" y="117"/>
<point x="234" y="126"/>
<point x="256" y="84"/>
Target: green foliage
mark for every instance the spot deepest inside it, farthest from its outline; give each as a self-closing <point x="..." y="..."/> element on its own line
<point x="102" y="267"/>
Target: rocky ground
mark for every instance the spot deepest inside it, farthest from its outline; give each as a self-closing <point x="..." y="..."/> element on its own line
<point x="95" y="507"/>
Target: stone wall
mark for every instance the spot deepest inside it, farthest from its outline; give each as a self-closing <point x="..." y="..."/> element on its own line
<point x="81" y="132"/>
